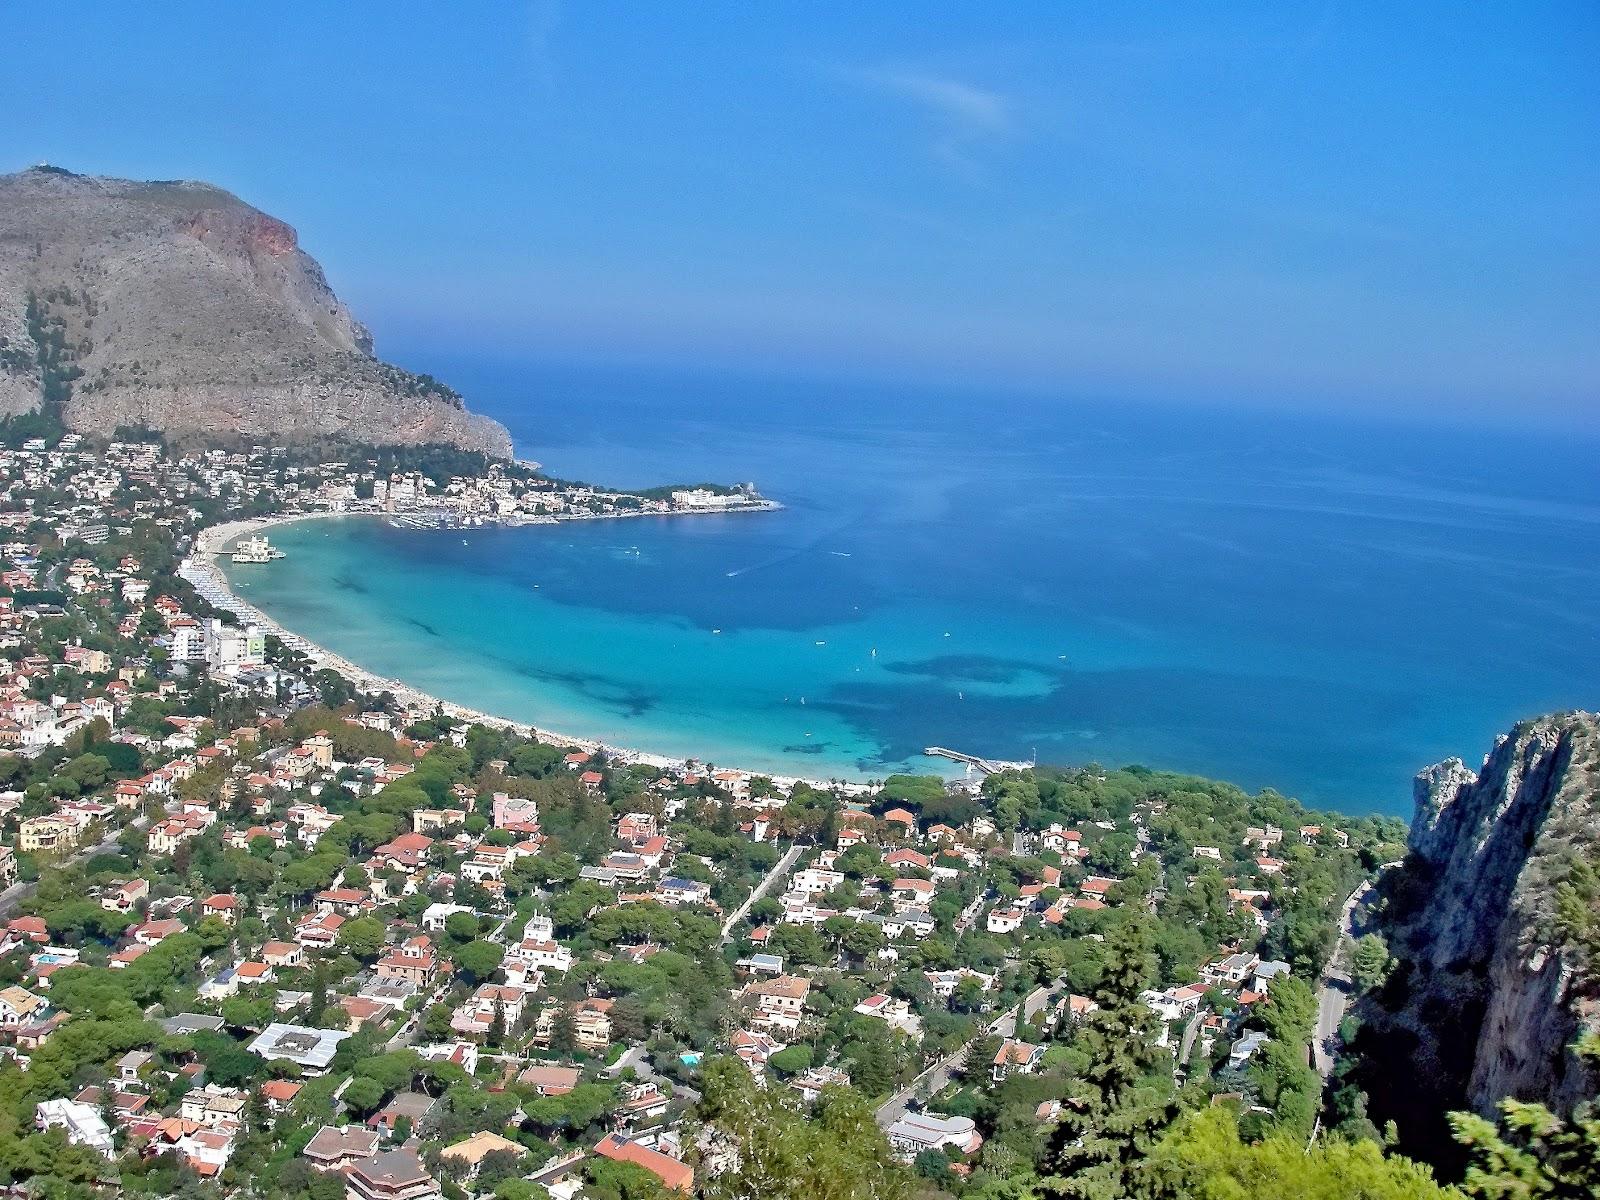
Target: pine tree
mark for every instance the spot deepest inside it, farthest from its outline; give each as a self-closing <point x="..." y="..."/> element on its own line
<point x="1533" y="1154"/>
<point x="319" y="993"/>
<point x="774" y="1152"/>
<point x="1098" y="1149"/>
<point x="564" y="1033"/>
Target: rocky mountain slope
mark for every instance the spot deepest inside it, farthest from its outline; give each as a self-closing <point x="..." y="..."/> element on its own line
<point x="178" y="306"/>
<point x="1494" y="920"/>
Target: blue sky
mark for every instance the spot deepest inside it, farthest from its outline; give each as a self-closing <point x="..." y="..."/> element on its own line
<point x="1386" y="207"/>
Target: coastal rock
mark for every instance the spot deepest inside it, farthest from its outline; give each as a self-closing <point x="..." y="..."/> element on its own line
<point x="1492" y="993"/>
<point x="175" y="305"/>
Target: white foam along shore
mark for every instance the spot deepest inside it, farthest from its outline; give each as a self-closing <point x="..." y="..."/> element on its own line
<point x="202" y="572"/>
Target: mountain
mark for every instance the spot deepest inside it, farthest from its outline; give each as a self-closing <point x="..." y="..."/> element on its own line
<point x="1494" y="920"/>
<point x="178" y="306"/>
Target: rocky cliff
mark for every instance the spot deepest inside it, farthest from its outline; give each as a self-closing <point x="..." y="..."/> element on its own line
<point x="178" y="306"/>
<point x="1493" y="918"/>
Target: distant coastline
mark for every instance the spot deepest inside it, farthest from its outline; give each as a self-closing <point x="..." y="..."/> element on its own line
<point x="200" y="569"/>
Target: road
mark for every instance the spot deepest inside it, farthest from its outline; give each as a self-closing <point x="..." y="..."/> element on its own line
<point x="635" y="1057"/>
<point x="1333" y="996"/>
<point x="934" y="1079"/>
<point x="14" y="895"/>
<point x="1190" y="1029"/>
<point x="639" y="1059"/>
<point x="778" y="872"/>
<point x="407" y="1033"/>
<point x="969" y="914"/>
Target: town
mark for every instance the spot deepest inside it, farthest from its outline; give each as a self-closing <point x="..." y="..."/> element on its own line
<point x="269" y="929"/>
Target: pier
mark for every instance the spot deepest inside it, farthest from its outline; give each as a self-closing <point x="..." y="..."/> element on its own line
<point x="988" y="766"/>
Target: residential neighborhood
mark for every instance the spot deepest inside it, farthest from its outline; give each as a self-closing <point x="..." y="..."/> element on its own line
<point x="262" y="928"/>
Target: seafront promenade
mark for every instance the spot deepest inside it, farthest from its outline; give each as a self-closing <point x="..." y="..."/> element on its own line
<point x="201" y="571"/>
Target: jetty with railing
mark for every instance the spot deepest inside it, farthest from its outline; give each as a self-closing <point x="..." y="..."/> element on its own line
<point x="989" y="766"/>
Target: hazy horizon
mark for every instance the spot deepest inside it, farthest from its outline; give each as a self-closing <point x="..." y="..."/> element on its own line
<point x="1384" y="213"/>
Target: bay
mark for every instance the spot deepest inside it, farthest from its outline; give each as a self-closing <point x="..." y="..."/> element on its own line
<point x="1317" y="604"/>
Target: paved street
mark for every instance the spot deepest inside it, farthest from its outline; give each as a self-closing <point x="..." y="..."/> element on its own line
<point x="936" y="1078"/>
<point x="17" y="892"/>
<point x="778" y="872"/>
<point x="1190" y="1029"/>
<point x="1336" y="990"/>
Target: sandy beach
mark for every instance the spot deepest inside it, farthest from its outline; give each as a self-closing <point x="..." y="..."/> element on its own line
<point x="200" y="569"/>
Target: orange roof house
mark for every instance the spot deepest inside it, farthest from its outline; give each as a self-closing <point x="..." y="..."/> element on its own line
<point x="679" y="1176"/>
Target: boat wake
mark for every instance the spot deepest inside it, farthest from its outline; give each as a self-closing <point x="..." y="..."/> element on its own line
<point x="810" y="547"/>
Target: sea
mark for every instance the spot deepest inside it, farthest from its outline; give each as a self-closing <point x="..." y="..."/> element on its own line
<point x="1320" y="605"/>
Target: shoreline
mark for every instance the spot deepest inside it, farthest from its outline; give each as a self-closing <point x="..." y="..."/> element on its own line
<point x="199" y="568"/>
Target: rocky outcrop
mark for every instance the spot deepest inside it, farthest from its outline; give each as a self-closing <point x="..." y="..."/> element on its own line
<point x="178" y="306"/>
<point x="1492" y="993"/>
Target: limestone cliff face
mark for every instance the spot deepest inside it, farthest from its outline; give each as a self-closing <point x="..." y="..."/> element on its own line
<point x="1492" y="995"/>
<point x="177" y="305"/>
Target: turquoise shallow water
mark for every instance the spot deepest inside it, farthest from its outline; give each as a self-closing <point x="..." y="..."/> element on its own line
<point x="1312" y="605"/>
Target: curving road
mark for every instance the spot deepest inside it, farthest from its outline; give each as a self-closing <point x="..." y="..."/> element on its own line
<point x="1336" y="991"/>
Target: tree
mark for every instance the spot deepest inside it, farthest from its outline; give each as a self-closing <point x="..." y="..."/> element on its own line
<point x="1531" y="1153"/>
<point x="933" y="1166"/>
<point x="576" y="1110"/>
<point x="1369" y="961"/>
<point x="437" y="1023"/>
<point x="479" y="960"/>
<point x="227" y="1063"/>
<point x="1290" y="1012"/>
<point x="1098" y="1148"/>
<point x="247" y="1012"/>
<point x="499" y="1165"/>
<point x="967" y="996"/>
<point x="791" y="1060"/>
<point x="497" y="1027"/>
<point x="613" y="1180"/>
<point x="461" y="926"/>
<point x="213" y="932"/>
<point x="364" y="1095"/>
<point x="319" y="992"/>
<point x="520" y="1189"/>
<point x="781" y="1155"/>
<point x="564" y="1032"/>
<point x="862" y="939"/>
<point x="1204" y="1158"/>
<point x="362" y="937"/>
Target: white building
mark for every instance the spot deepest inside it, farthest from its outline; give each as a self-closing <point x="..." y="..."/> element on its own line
<point x="232" y="648"/>
<point x="700" y="498"/>
<point x="188" y="640"/>
<point x="83" y="1124"/>
<point x="311" y="1049"/>
<point x="915" y="1132"/>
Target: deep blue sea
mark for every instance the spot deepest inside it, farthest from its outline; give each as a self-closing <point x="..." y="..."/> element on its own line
<point x="1322" y="606"/>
